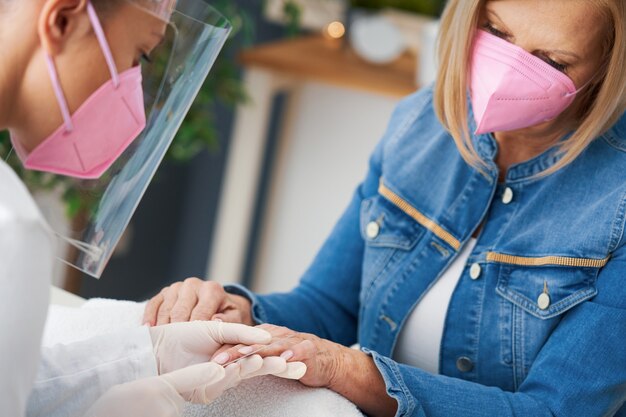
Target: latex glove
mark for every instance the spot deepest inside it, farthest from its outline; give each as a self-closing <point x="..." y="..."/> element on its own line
<point x="157" y="396"/>
<point x="165" y="395"/>
<point x="180" y="345"/>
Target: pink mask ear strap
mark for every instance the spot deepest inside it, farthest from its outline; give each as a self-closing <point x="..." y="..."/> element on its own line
<point x="58" y="91"/>
<point x="104" y="45"/>
<point x="108" y="56"/>
<point x="582" y="87"/>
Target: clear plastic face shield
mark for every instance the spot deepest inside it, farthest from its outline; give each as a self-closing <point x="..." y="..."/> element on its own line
<point x="194" y="35"/>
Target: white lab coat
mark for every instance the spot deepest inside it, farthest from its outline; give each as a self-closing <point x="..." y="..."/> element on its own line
<point x="63" y="380"/>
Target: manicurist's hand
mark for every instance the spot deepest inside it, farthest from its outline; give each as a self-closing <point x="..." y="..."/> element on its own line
<point x="179" y="345"/>
<point x="165" y="395"/>
<point x="195" y="299"/>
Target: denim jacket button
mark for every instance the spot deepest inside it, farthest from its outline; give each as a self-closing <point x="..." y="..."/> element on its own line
<point x="475" y="271"/>
<point x="507" y="197"/>
<point x="464" y="364"/>
<point x="373" y="229"/>
<point x="543" y="301"/>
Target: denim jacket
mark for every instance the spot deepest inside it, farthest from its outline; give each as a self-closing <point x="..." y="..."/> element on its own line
<point x="537" y="323"/>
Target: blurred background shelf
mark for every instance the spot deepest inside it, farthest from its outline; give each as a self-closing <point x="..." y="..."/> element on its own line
<point x="316" y="58"/>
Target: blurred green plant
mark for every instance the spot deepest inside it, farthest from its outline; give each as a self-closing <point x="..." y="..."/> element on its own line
<point x="426" y="7"/>
<point x="198" y="132"/>
<point x="223" y="86"/>
<point x="293" y="16"/>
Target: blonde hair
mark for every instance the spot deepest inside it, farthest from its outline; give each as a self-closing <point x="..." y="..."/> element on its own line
<point x="603" y="102"/>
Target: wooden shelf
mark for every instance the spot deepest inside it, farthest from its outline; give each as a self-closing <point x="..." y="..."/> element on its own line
<point x="318" y="59"/>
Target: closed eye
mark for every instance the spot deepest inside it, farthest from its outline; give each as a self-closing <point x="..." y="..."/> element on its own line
<point x="557" y="65"/>
<point x="494" y="31"/>
<point x="562" y="67"/>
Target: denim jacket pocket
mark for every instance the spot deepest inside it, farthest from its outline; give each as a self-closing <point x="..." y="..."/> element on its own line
<point x="547" y="291"/>
<point x="533" y="300"/>
<point x="388" y="233"/>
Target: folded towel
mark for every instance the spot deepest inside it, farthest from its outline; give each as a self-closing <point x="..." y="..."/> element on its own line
<point x="259" y="397"/>
<point x="95" y="317"/>
<point x="275" y="397"/>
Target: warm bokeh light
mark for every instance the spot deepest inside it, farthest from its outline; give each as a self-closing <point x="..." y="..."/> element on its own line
<point x="336" y="30"/>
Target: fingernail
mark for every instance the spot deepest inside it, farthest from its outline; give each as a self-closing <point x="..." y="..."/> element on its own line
<point x="246" y="350"/>
<point x="222" y="358"/>
<point x="297" y="371"/>
<point x="218" y="320"/>
<point x="286" y="355"/>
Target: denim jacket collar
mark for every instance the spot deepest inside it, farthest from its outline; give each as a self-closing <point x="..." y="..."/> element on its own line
<point x="487" y="148"/>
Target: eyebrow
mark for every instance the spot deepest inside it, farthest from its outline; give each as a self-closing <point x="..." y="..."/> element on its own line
<point x="561" y="52"/>
<point x="554" y="51"/>
<point x="489" y="11"/>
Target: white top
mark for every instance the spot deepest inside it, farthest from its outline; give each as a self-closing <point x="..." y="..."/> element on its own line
<point x="419" y="341"/>
<point x="65" y="379"/>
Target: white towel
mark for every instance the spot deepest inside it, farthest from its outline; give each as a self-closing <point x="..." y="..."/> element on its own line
<point x="259" y="397"/>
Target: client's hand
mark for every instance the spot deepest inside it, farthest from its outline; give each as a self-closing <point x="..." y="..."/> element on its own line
<point x="324" y="359"/>
<point x="180" y="345"/>
<point x="165" y="395"/>
<point x="195" y="299"/>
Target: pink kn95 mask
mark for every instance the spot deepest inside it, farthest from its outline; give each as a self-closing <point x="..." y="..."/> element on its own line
<point x="513" y="89"/>
<point x="95" y="136"/>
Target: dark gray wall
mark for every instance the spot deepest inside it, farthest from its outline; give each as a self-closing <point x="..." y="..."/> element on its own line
<point x="173" y="226"/>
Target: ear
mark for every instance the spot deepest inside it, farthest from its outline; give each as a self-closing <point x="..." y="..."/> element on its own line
<point x="57" y="21"/>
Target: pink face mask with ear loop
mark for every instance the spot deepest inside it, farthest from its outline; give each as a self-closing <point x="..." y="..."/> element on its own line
<point x="95" y="136"/>
<point x="513" y="89"/>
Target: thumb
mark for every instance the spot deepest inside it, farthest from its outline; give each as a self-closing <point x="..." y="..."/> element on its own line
<point x="192" y="377"/>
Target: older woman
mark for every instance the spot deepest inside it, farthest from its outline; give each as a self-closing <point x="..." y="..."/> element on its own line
<point x="481" y="263"/>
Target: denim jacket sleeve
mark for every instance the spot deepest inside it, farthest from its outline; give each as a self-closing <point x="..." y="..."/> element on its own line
<point x="580" y="371"/>
<point x="326" y="302"/>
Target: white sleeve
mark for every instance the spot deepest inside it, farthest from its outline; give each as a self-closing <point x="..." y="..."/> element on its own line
<point x="72" y="377"/>
<point x="26" y="260"/>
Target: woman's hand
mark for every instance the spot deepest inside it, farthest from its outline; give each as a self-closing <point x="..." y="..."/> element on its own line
<point x="195" y="299"/>
<point x="323" y="358"/>
<point x="349" y="372"/>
